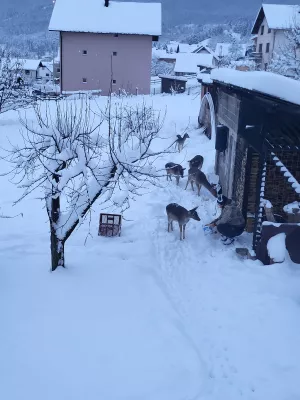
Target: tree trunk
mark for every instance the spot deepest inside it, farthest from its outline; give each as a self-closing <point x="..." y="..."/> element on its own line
<point x="57" y="251"/>
<point x="57" y="244"/>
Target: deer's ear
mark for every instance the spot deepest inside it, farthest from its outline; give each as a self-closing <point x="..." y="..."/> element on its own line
<point x="183" y="169"/>
<point x="194" y="209"/>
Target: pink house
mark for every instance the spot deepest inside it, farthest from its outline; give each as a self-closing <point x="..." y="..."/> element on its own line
<point x="106" y="45"/>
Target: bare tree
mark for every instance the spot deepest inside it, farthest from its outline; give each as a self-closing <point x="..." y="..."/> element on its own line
<point x="160" y="67"/>
<point x="13" y="93"/>
<point x="75" y="155"/>
<point x="286" y="60"/>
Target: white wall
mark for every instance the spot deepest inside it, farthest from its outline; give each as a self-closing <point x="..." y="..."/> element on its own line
<point x="263" y="40"/>
<point x="44" y="73"/>
<point x="276" y="38"/>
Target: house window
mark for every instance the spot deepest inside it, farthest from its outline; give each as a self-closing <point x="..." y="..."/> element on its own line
<point x="260" y="48"/>
<point x="84" y="80"/>
<point x="267" y="47"/>
<point x="47" y="74"/>
<point x="84" y="52"/>
<point x="116" y="35"/>
<point x="58" y="70"/>
<point x="269" y="30"/>
<point x="114" y="81"/>
<point x="115" y="53"/>
<point x="27" y="72"/>
<point x="262" y="30"/>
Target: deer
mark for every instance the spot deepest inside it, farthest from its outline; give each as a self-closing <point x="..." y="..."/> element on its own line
<point x="175" y="212"/>
<point x="197" y="162"/>
<point x="174" y="169"/>
<point x="197" y="176"/>
<point x="180" y="141"/>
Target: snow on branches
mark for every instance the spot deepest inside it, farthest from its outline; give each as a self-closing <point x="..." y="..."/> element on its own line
<point x="74" y="155"/>
<point x="286" y="61"/>
<point x="13" y="93"/>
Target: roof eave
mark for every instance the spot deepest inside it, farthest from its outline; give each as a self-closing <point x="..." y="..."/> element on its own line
<point x="257" y="92"/>
<point x="105" y="33"/>
<point x="255" y="28"/>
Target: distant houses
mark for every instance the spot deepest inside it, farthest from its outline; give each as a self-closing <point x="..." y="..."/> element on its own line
<point x="270" y="27"/>
<point x="33" y="70"/>
<point x="106" y="45"/>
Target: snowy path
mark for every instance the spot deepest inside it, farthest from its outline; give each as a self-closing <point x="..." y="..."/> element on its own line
<point x="144" y="316"/>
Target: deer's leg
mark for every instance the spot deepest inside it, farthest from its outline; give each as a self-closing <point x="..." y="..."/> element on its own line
<point x="171" y="225"/>
<point x="192" y="184"/>
<point x="199" y="188"/>
<point x="187" y="183"/>
<point x="180" y="228"/>
<point x="184" y="231"/>
<point x="177" y="180"/>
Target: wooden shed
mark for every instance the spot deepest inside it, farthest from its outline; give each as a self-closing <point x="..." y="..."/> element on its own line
<point x="172" y="83"/>
<point x="256" y="128"/>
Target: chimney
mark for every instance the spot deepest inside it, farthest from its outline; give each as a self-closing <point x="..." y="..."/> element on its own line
<point x="106" y="3"/>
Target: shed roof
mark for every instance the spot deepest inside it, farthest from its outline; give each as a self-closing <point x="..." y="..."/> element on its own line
<point x="119" y="17"/>
<point x="268" y="83"/>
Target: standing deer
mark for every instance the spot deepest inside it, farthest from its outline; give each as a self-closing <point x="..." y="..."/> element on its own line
<point x="197" y="162"/>
<point x="175" y="212"/>
<point x="174" y="169"/>
<point x="197" y="176"/>
<point x="180" y="141"/>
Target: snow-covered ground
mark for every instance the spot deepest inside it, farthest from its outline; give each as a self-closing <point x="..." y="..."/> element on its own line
<point x="143" y="316"/>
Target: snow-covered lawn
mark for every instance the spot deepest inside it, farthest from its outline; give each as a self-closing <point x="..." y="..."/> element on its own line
<point x="143" y="316"/>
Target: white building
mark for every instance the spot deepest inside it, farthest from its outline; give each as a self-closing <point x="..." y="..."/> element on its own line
<point x="33" y="70"/>
<point x="271" y="25"/>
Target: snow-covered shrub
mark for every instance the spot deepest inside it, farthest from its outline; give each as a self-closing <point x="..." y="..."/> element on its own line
<point x="13" y="93"/>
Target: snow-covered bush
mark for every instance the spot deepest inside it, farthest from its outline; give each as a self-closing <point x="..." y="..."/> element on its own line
<point x="13" y="93"/>
<point x="159" y="67"/>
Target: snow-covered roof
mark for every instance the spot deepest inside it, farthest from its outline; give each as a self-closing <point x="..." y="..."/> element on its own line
<point x="222" y="49"/>
<point x="278" y="16"/>
<point x="203" y="47"/>
<point x="205" y="78"/>
<point x="167" y="56"/>
<point x="48" y="64"/>
<point x="119" y="17"/>
<point x="204" y="42"/>
<point x="260" y="81"/>
<point x="30" y="65"/>
<point x="188" y="63"/>
<point x="162" y="54"/>
<point x="187" y="48"/>
<point x="177" y="78"/>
